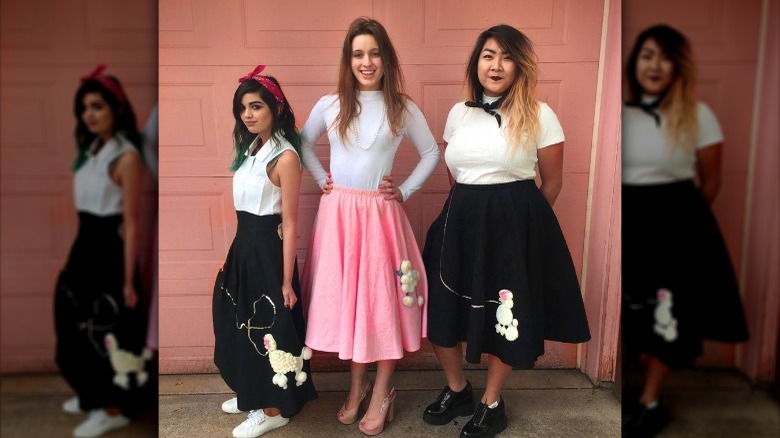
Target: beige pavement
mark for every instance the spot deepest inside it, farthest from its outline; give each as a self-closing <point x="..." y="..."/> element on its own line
<point x="539" y="403"/>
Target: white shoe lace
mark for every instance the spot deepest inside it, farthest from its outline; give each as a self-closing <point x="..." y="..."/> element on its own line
<point x="96" y="415"/>
<point x="255" y="417"/>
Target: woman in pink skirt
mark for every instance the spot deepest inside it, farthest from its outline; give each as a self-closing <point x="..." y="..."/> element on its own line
<point x="364" y="283"/>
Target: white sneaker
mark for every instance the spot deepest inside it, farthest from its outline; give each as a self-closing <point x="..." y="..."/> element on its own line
<point x="257" y="423"/>
<point x="98" y="423"/>
<point x="72" y="406"/>
<point x="231" y="406"/>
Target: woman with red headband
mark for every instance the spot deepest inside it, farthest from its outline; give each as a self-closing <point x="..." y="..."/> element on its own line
<point x="100" y="310"/>
<point x="258" y="323"/>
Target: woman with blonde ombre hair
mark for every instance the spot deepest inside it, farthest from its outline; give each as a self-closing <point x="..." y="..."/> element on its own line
<point x="363" y="283"/>
<point x="501" y="275"/>
<point x="677" y="99"/>
<point x="679" y="286"/>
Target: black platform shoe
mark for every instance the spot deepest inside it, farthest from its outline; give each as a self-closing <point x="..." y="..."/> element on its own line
<point x="450" y="404"/>
<point x="486" y="422"/>
<point x="641" y="422"/>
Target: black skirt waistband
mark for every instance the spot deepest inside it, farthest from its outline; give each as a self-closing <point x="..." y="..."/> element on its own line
<point x="90" y="219"/>
<point x="92" y="225"/>
<point x="675" y="186"/>
<point x="248" y="220"/>
<point x="520" y="184"/>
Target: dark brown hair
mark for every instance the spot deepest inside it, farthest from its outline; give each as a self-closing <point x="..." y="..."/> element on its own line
<point x="124" y="117"/>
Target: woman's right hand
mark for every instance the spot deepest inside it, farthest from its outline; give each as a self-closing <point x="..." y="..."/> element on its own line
<point x="328" y="186"/>
<point x="289" y="296"/>
<point x="131" y="297"/>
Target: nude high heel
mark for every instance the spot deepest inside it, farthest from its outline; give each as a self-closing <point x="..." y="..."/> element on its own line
<point x="376" y="425"/>
<point x="349" y="416"/>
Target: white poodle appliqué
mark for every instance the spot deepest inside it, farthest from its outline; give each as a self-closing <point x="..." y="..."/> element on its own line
<point x="283" y="362"/>
<point x="125" y="363"/>
<point x="409" y="279"/>
<point x="507" y="324"/>
<point x="665" y="324"/>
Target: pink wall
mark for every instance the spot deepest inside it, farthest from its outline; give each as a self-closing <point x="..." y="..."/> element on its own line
<point x="46" y="47"/>
<point x="760" y="277"/>
<point x="206" y="46"/>
<point x="601" y="282"/>
<point x="725" y="38"/>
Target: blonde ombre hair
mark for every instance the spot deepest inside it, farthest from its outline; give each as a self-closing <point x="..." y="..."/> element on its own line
<point x="678" y="104"/>
<point x="519" y="104"/>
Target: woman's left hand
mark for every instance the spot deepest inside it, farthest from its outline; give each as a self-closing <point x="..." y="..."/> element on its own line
<point x="389" y="189"/>
<point x="131" y="297"/>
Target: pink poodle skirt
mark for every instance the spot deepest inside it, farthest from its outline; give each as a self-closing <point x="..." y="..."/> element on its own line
<point x="363" y="283"/>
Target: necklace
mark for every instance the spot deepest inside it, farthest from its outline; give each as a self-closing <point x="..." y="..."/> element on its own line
<point x="354" y="130"/>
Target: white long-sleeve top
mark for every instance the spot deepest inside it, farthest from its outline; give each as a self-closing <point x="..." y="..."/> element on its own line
<point x="362" y="164"/>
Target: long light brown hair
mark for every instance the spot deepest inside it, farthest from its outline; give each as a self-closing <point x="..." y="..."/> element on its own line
<point x="392" y="80"/>
<point x="678" y="103"/>
<point x="519" y="104"/>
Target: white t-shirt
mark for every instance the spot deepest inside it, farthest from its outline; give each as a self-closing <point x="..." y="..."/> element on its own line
<point x="253" y="191"/>
<point x="647" y="158"/>
<point x="94" y="190"/>
<point x="362" y="164"/>
<point x="478" y="150"/>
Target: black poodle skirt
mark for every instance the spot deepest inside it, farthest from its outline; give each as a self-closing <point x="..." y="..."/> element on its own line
<point x="501" y="237"/>
<point x="248" y="305"/>
<point x="89" y="304"/>
<point x="679" y="286"/>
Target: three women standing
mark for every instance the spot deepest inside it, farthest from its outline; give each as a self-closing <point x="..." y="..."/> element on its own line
<point x="500" y="274"/>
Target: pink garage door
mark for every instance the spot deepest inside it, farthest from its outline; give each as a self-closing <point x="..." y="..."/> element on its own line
<point x="206" y="46"/>
<point x="46" y="47"/>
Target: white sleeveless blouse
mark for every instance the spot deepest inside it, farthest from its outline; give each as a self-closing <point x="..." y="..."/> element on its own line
<point x="253" y="191"/>
<point x="93" y="189"/>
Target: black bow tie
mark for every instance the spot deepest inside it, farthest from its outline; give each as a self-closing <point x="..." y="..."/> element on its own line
<point x="489" y="108"/>
<point x="649" y="108"/>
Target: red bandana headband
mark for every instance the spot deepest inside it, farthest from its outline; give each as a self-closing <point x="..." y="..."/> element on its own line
<point x="265" y="82"/>
<point x="110" y="85"/>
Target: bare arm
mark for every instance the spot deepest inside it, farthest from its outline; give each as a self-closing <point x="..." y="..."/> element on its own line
<point x="127" y="175"/>
<point x="551" y="171"/>
<point x="708" y="163"/>
<point x="287" y="175"/>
